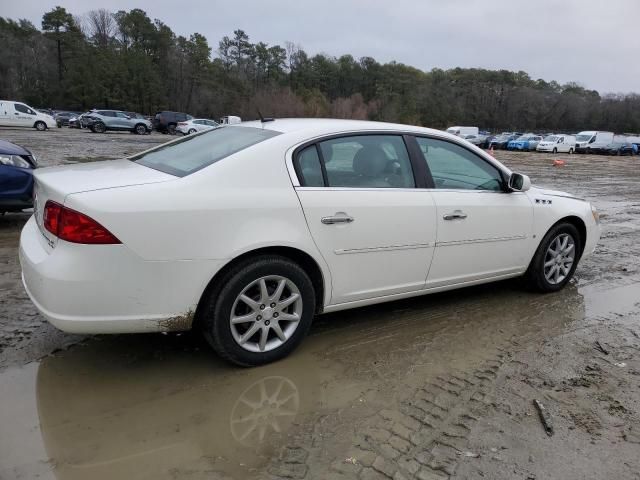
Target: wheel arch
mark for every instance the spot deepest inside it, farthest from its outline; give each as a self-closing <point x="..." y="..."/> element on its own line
<point x="580" y="226"/>
<point x="306" y="262"/>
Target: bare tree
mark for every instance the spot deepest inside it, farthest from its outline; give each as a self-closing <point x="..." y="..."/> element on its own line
<point x="101" y="26"/>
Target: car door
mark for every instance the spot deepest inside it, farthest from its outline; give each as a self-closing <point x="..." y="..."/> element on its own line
<point x="122" y="121"/>
<point x="374" y="228"/>
<point x="483" y="230"/>
<point x="24" y="116"/>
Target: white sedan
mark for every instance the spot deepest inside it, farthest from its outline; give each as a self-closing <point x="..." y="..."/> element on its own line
<point x="195" y="125"/>
<point x="246" y="232"/>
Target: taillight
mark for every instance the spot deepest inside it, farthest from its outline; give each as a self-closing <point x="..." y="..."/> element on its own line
<point x="182" y="123"/>
<point x="75" y="227"/>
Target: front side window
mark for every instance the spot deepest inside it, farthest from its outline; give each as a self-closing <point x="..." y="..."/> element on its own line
<point x="194" y="152"/>
<point x="455" y="167"/>
<point x="24" y="109"/>
<point x="367" y="161"/>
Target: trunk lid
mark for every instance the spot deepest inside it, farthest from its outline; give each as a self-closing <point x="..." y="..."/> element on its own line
<point x="55" y="183"/>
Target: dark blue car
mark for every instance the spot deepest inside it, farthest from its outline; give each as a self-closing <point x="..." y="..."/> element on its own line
<point x="16" y="177"/>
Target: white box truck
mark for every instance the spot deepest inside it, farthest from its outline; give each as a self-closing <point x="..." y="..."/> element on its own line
<point x="592" y="139"/>
<point x="461" y="131"/>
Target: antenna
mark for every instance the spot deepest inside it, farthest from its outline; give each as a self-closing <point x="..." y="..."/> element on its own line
<point x="265" y="119"/>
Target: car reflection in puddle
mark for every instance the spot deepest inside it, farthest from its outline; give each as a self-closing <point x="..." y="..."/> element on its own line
<point x="125" y="408"/>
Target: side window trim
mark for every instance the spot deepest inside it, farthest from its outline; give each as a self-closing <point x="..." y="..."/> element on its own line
<point x="501" y="173"/>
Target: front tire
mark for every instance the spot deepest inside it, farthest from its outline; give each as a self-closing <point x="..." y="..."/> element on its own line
<point x="40" y="126"/>
<point x="555" y="150"/>
<point x="140" y="129"/>
<point x="98" y="127"/>
<point x="259" y="311"/>
<point x="555" y="260"/>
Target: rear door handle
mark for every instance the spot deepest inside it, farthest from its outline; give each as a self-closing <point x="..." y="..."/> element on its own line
<point x="338" y="218"/>
<point x="457" y="215"/>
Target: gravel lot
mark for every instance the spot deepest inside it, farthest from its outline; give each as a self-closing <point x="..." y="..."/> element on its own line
<point x="435" y="387"/>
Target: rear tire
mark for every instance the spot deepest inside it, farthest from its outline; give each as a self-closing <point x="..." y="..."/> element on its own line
<point x="171" y="129"/>
<point x="555" y="261"/>
<point x="40" y="126"/>
<point x="224" y="301"/>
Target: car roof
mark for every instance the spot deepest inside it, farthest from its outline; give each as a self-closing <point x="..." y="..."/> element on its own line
<point x="9" y="148"/>
<point x="323" y="126"/>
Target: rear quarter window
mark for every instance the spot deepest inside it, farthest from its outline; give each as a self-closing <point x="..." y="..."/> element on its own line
<point x="195" y="152"/>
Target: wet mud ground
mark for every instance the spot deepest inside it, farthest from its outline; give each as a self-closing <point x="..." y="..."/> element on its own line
<point x="434" y="387"/>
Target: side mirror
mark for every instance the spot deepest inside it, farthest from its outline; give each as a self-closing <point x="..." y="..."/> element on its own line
<point x="519" y="182"/>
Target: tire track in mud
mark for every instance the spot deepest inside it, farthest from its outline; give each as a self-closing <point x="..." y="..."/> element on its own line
<point x="423" y="437"/>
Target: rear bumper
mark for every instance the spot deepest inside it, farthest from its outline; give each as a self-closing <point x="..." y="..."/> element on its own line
<point x="108" y="288"/>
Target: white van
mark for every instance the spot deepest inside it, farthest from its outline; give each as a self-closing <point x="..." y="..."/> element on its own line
<point x="16" y="114"/>
<point x="461" y="131"/>
<point x="592" y="139"/>
<point x="557" y="144"/>
<point x="230" y="120"/>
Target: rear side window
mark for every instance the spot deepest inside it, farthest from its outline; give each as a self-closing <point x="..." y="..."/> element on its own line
<point x="362" y="161"/>
<point x="194" y="152"/>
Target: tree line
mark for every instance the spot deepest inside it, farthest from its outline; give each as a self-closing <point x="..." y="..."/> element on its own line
<point x="128" y="61"/>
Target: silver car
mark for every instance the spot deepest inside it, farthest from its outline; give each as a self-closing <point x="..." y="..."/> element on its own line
<point x="99" y="121"/>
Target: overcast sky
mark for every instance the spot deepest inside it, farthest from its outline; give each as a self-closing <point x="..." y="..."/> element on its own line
<point x="593" y="42"/>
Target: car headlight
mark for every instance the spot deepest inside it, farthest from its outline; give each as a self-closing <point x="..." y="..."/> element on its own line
<point x="596" y="215"/>
<point x="14" y="161"/>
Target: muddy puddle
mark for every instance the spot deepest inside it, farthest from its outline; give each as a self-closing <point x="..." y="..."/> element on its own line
<point x="163" y="406"/>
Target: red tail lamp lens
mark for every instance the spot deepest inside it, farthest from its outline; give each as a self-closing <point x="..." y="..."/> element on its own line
<point x="75" y="227"/>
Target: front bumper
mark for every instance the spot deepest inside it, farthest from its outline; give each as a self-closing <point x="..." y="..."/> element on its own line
<point x="108" y="288"/>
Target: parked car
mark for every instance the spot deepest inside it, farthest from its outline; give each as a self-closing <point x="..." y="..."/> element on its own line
<point x="526" y="142"/>
<point x="246" y="231"/>
<point x="591" y="141"/>
<point x="17" y="114"/>
<point x="100" y="121"/>
<point x="462" y="131"/>
<point x="557" y="144"/>
<point x="196" y="125"/>
<point x="501" y="141"/>
<point x="16" y="177"/>
<point x="477" y="140"/>
<point x="620" y="148"/>
<point x="167" y="122"/>
<point x="62" y="118"/>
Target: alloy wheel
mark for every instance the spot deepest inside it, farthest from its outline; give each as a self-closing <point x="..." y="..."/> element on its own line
<point x="266" y="313"/>
<point x="559" y="258"/>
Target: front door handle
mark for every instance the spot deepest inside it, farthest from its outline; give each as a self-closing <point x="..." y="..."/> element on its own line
<point x="457" y="215"/>
<point x="338" y="218"/>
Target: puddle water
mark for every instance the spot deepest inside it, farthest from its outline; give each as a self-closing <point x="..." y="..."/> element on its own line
<point x="154" y="406"/>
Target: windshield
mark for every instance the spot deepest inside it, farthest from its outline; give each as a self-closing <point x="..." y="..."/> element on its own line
<point x="523" y="138"/>
<point x="551" y="138"/>
<point x="195" y="152"/>
<point x="583" y="138"/>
